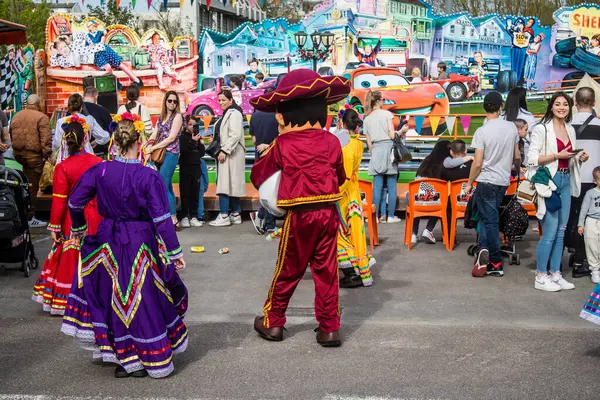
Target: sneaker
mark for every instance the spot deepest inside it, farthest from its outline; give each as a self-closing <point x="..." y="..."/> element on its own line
<point x="185" y="222"/>
<point x="580" y="270"/>
<point x="482" y="260"/>
<point x="545" y="283"/>
<point x="372" y="262"/>
<point x="428" y="236"/>
<point x="560" y="281"/>
<point x="196" y="223"/>
<point x="236" y="219"/>
<point x="495" y="269"/>
<point x="596" y="276"/>
<point x="221" y="221"/>
<point x="36" y="223"/>
<point x="257" y="222"/>
<point x="414" y="239"/>
<point x="382" y="220"/>
<point x="393" y="220"/>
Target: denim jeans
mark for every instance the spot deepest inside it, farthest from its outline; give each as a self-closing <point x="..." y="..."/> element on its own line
<point x="378" y="192"/>
<point x="225" y="201"/>
<point x="554" y="225"/>
<point x="166" y="171"/>
<point x="203" y="188"/>
<point x="487" y="200"/>
<point x="268" y="218"/>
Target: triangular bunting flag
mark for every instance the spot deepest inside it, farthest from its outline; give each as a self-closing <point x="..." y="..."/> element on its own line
<point x="419" y="119"/>
<point x="132" y="3"/>
<point x="207" y="3"/>
<point x="207" y="119"/>
<point x="466" y="122"/>
<point x="225" y="2"/>
<point x="450" y="123"/>
<point x="329" y="122"/>
<point x="233" y="3"/>
<point x="435" y="122"/>
<point x="181" y="3"/>
<point x="191" y="2"/>
<point x="149" y="4"/>
<point x="251" y="3"/>
<point x="248" y="118"/>
<point x="118" y="3"/>
<point x="166" y="2"/>
<point x="276" y="2"/>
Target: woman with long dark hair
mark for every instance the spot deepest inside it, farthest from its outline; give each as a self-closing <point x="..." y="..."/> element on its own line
<point x="552" y="143"/>
<point x="54" y="284"/>
<point x="231" y="165"/>
<point x="167" y="133"/>
<point x="431" y="167"/>
<point x="515" y="107"/>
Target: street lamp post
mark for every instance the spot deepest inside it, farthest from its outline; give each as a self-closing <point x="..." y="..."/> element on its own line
<point x="317" y="39"/>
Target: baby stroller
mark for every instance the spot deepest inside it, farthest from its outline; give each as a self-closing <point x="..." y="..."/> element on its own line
<point x="513" y="222"/>
<point x="16" y="246"/>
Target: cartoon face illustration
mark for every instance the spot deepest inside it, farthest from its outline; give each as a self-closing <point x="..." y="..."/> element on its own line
<point x="372" y="81"/>
<point x="92" y="27"/>
<point x="253" y="66"/>
<point x="62" y="48"/>
<point x="156" y="38"/>
<point x="530" y="22"/>
<point x="478" y="57"/>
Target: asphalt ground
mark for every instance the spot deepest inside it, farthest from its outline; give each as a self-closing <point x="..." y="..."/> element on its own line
<point x="425" y="330"/>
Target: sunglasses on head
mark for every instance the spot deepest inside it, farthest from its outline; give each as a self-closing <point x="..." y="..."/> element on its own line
<point x="171" y="101"/>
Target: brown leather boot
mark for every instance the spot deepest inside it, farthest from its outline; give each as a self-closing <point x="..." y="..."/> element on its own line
<point x="274" y="334"/>
<point x="329" y="339"/>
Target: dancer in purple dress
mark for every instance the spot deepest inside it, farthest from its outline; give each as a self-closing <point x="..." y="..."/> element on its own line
<point x="127" y="301"/>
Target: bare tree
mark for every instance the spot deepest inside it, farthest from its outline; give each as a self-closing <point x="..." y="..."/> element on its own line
<point x="168" y="22"/>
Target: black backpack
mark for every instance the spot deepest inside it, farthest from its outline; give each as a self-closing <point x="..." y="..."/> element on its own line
<point x="10" y="223"/>
<point x="514" y="220"/>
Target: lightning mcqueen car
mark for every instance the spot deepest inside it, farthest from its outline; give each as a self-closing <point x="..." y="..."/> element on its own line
<point x="400" y="97"/>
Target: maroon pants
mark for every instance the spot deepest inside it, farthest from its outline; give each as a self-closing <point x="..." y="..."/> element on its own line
<point x="309" y="236"/>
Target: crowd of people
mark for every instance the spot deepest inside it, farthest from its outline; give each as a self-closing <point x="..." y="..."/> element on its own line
<point x="126" y="206"/>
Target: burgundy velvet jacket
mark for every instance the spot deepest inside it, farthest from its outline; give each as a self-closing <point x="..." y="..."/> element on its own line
<point x="311" y="164"/>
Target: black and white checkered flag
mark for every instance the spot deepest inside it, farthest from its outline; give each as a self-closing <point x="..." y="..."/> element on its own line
<point x="8" y="82"/>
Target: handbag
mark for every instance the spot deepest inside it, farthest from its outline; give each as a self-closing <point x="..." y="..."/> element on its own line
<point x="526" y="191"/>
<point x="158" y="156"/>
<point x="400" y="153"/>
<point x="553" y="202"/>
<point x="214" y="148"/>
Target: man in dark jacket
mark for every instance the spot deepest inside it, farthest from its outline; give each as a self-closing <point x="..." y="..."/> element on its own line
<point x="100" y="114"/>
<point x="31" y="139"/>
<point x="264" y="130"/>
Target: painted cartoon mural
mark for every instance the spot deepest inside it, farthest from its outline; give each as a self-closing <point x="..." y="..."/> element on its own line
<point x="113" y="57"/>
<point x="16" y="76"/>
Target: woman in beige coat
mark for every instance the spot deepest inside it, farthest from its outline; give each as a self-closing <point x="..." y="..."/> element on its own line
<point x="231" y="174"/>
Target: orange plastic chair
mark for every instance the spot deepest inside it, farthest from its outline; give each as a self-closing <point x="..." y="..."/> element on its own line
<point x="435" y="208"/>
<point x="458" y="208"/>
<point x="511" y="190"/>
<point x="369" y="212"/>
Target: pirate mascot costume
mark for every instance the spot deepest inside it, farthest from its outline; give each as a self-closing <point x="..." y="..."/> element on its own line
<point x="307" y="160"/>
